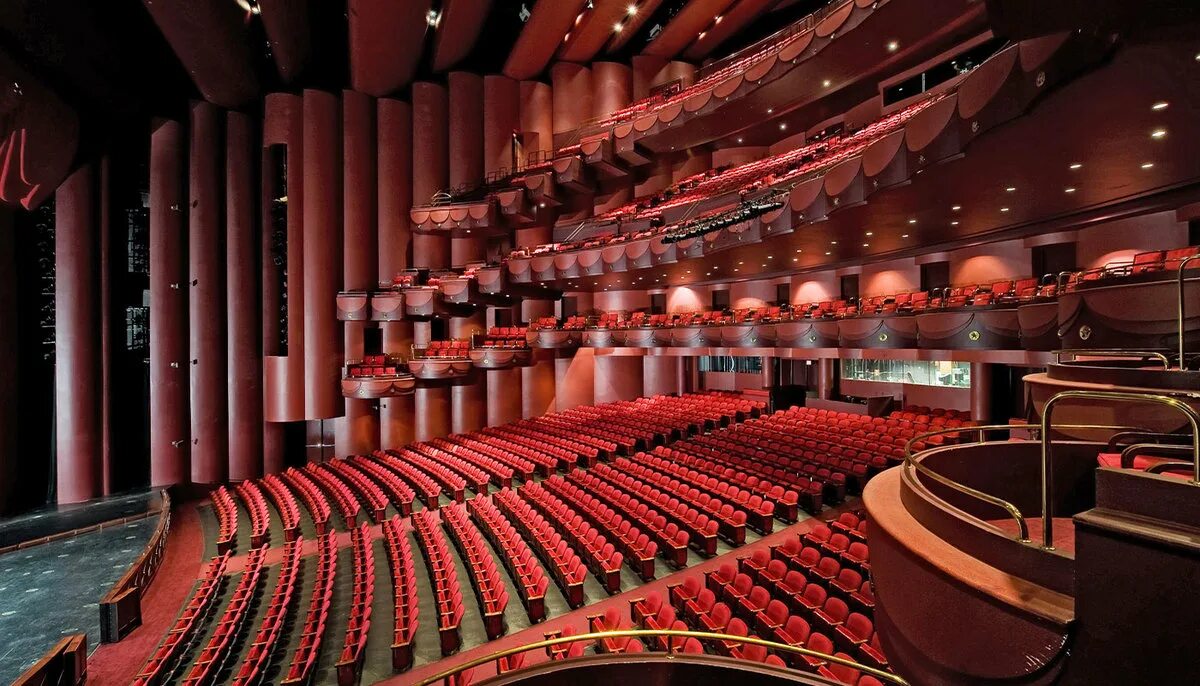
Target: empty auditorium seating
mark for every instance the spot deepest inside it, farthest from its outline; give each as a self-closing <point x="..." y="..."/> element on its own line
<point x="672" y="541"/>
<point x="264" y="643"/>
<point x="454" y="349"/>
<point x="638" y="550"/>
<point x="561" y="561"/>
<point x="522" y="564"/>
<point x="285" y="504"/>
<point x="362" y="593"/>
<point x="256" y="506"/>
<point x="599" y="555"/>
<point x="396" y="489"/>
<point x="184" y="631"/>
<point x="404" y="593"/>
<point x="211" y="658"/>
<point x="312" y="627"/>
<point x="486" y="579"/>
<point x="316" y="502"/>
<point x="443" y="576"/>
<point x="227" y="519"/>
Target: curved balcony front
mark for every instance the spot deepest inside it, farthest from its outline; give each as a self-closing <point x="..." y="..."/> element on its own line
<point x="554" y="339"/>
<point x="1130" y="313"/>
<point x="423" y="303"/>
<point x="889" y="331"/>
<point x="369" y="387"/>
<point x="500" y="358"/>
<point x="971" y="328"/>
<point x="1038" y="324"/>
<point x="439" y="368"/>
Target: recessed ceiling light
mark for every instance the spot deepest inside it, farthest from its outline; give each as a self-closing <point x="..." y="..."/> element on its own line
<point x="1003" y="209"/>
<point x="870" y="233"/>
<point x="1160" y="105"/>
<point x="795" y="259"/>
<point x="893" y="46"/>
<point x="828" y="253"/>
<point x="735" y="269"/>
<point x="702" y="35"/>
<point x="912" y="221"/>
<point x="833" y="242"/>
<point x="956" y="208"/>
<point x="1069" y="190"/>
<point x="783" y="126"/>
<point x="1011" y="189"/>
<point x="770" y="110"/>
<point x="1148" y="165"/>
<point x="739" y="140"/>
<point x="826" y="83"/>
<point x="1075" y="165"/>
<point x="541" y="204"/>
<point x="954" y="223"/>
<point x="631" y="10"/>
<point x="1158" y="134"/>
<point x="717" y="19"/>
<point x="741" y="263"/>
<point x="904" y="235"/>
<point x="866" y="245"/>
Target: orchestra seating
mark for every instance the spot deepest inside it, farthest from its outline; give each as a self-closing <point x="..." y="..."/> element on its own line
<point x="312" y="628"/>
<point x="185" y="631"/>
<point x="264" y="643"/>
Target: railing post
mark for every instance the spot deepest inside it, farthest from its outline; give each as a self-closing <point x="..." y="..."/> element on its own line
<point x="1182" y="323"/>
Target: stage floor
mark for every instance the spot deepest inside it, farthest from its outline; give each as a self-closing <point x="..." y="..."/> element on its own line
<point x="53" y="589"/>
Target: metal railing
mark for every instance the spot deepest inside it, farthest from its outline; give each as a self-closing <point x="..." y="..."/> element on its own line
<point x="1173" y="403"/>
<point x="1112" y="353"/>
<point x="1181" y="281"/>
<point x="449" y="674"/>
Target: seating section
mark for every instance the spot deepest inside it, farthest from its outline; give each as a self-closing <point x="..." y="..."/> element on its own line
<point x="271" y="629"/>
<point x="376" y="365"/>
<point x="444" y="578"/>
<point x="505" y="337"/>
<point x="404" y="593"/>
<point x="454" y="349"/>
<point x="347" y="503"/>
<point x="349" y="664"/>
<point x="363" y="488"/>
<point x="227" y="519"/>
<point x="522" y="564"/>
<point x="561" y="561"/>
<point x="316" y="502"/>
<point x="312" y="629"/>
<point x="600" y="556"/>
<point x="481" y="566"/>
<point x="260" y="515"/>
<point x="183" y="632"/>
<point x="285" y="504"/>
<point x="212" y="657"/>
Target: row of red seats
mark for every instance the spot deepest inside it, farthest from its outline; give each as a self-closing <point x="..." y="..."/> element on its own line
<point x="312" y="630"/>
<point x="672" y="540"/>
<point x="345" y="500"/>
<point x="528" y="446"/>
<point x="227" y="519"/>
<point x="365" y="370"/>
<point x="316" y="502"/>
<point x="377" y="485"/>
<point x="702" y="530"/>
<point x="731" y="521"/>
<point x="183" y="631"/>
<point x="451" y="482"/>
<point x="260" y="514"/>
<point x="444" y="349"/>
<point x="518" y="458"/>
<point x="487" y="581"/>
<point x="717" y="475"/>
<point x="507" y="332"/>
<point x="212" y="657"/>
<point x="500" y="469"/>
<point x="258" y="657"/>
<point x="476" y="473"/>
<point x="759" y="508"/>
<point x="285" y="504"/>
<point x="600" y="556"/>
<point x="444" y="578"/>
<point x="1149" y="262"/>
<point x="560" y="560"/>
<point x="638" y="549"/>
<point x="404" y="593"/>
<point x="421" y="483"/>
<point x="520" y="561"/>
<point x="362" y="595"/>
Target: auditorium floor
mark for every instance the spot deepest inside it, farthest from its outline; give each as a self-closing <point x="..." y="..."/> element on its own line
<point x="54" y="589"/>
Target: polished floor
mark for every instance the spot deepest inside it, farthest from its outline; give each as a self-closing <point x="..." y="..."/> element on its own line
<point x="54" y="589"/>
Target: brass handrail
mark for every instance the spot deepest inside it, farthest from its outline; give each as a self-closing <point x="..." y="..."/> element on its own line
<point x="1112" y="352"/>
<point x="637" y="633"/>
<point x="1048" y="475"/>
<point x="1013" y="511"/>
<point x="1181" y="281"/>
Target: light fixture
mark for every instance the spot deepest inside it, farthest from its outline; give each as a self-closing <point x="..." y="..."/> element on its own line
<point x="827" y="83"/>
<point x="795" y="259"/>
<point x="1075" y="166"/>
<point x="893" y="46"/>
<point x="1160" y="105"/>
<point x="956" y="208"/>
<point x="718" y="18"/>
<point x="1010" y="189"/>
<point x="542" y="204"/>
<point x="617" y="27"/>
<point x="739" y="140"/>
<point x="904" y="235"/>
<point x="1069" y="190"/>
<point x="1003" y="209"/>
<point x="631" y="10"/>
<point x="833" y="242"/>
<point x="954" y="223"/>
<point x="770" y="257"/>
<point x="433" y="18"/>
<point x="783" y="126"/>
<point x="1148" y="165"/>
<point x="866" y="245"/>
<point x="912" y="221"/>
<point x="870" y="233"/>
<point x="770" y="110"/>
<point x="1158" y="134"/>
<point x="828" y="253"/>
<point x="249" y="6"/>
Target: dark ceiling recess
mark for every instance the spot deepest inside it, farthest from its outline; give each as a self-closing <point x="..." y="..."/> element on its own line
<point x="504" y="24"/>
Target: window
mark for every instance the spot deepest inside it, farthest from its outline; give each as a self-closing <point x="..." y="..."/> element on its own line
<point x="720" y="300"/>
<point x="502" y="316"/>
<point x="935" y="275"/>
<point x="658" y="303"/>
<point x="373" y="342"/>
<point x="1053" y="259"/>
<point x="737" y="365"/>
<point x="783" y="293"/>
<point x="944" y="374"/>
<point x="849" y="286"/>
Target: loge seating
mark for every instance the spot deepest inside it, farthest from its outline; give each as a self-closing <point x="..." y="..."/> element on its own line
<point x="211" y="659"/>
<point x="561" y="561"/>
<point x="485" y="578"/>
<point x="227" y="519"/>
<point x="404" y="593"/>
<point x="530" y="577"/>
<point x="264" y="644"/>
<point x="285" y="504"/>
<point x="444" y="578"/>
<point x="451" y="350"/>
<point x="183" y="632"/>
<point x="312" y="629"/>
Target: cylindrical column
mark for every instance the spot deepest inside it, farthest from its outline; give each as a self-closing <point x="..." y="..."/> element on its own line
<point x="981" y="392"/>
<point x="206" y="298"/>
<point x="430" y="168"/>
<point x="825" y="378"/>
<point x="617" y="377"/>
<point x="645" y="70"/>
<point x="322" y="255"/>
<point x="10" y="417"/>
<point x="501" y="119"/>
<point x="503" y="396"/>
<point x="168" y="309"/>
<point x="574" y="378"/>
<point x="77" y="376"/>
<point x="466" y="153"/>
<point x="537" y="116"/>
<point x="468" y="403"/>
<point x="432" y="412"/>
<point x="538" y="385"/>
<point x="612" y="84"/>
<point x="244" y="374"/>
<point x="662" y="375"/>
<point x="394" y="131"/>
<point x="572" y="84"/>
<point x="358" y="430"/>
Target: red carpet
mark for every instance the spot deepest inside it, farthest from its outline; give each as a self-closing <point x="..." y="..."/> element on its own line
<point x="578" y="618"/>
<point x="118" y="663"/>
